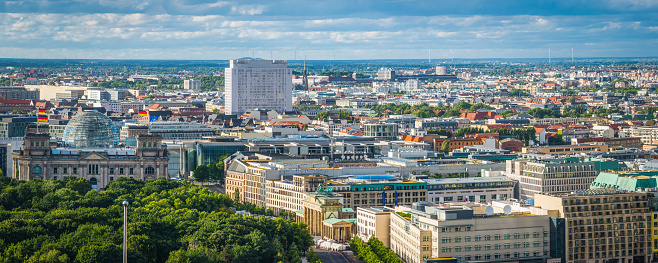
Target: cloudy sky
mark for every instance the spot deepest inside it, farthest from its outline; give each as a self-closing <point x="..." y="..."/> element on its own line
<point x="341" y="29"/>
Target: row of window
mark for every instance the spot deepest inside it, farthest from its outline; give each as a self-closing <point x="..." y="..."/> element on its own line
<point x="486" y="237"/>
<point x="91" y="169"/>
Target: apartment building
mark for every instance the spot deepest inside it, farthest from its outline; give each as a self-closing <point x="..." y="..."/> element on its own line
<point x="600" y="225"/>
<point x="464" y="232"/>
<point x="471" y="189"/>
<point x="647" y="134"/>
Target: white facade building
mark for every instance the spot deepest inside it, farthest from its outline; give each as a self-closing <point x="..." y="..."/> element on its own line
<point x="191" y="84"/>
<point x="471" y="189"/>
<point x="258" y="84"/>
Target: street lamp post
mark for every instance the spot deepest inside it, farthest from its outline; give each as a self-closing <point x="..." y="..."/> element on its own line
<point x="125" y="231"/>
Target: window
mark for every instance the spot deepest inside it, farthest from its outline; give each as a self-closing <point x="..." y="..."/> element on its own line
<point x="131" y="171"/>
<point x="507" y="245"/>
<point x="507" y="236"/>
<point x="65" y="170"/>
<point x="36" y="170"/>
<point x="467" y="239"/>
<point x="467" y="248"/>
<point x="477" y="238"/>
<point x="477" y="247"/>
<point x="497" y="246"/>
<point x="458" y="239"/>
<point x="121" y="170"/>
<point x="526" y="244"/>
<point x="149" y="170"/>
<point x="535" y="244"/>
<point x="487" y="247"/>
<point x="111" y="170"/>
<point x="426" y="248"/>
<point x="487" y="237"/>
<point x="526" y="235"/>
<point x="75" y="170"/>
<point x="535" y="234"/>
<point x="93" y="169"/>
<point x="458" y="249"/>
<point x="55" y="170"/>
<point x="497" y="237"/>
<point x="517" y="235"/>
<point x="517" y="245"/>
<point x="426" y="238"/>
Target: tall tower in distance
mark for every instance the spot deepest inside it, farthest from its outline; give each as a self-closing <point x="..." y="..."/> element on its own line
<point x="258" y="84"/>
<point x="305" y="77"/>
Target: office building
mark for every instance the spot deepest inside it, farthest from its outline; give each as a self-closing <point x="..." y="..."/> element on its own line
<point x="192" y="84"/>
<point x="470" y="189"/>
<point x="374" y="221"/>
<point x="553" y="176"/>
<point x="98" y="94"/>
<point x="600" y="225"/>
<point x="382" y="131"/>
<point x="464" y="231"/>
<point x="18" y="93"/>
<point x="378" y="190"/>
<point x="258" y="84"/>
<point x="12" y="127"/>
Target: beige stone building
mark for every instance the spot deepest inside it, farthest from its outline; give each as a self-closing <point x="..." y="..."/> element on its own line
<point x="462" y="231"/>
<point x="601" y="225"/>
<point x="39" y="161"/>
<point x="287" y="195"/>
<point x="374" y="221"/>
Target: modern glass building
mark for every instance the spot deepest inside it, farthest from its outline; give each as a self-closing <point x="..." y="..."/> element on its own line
<point x="90" y="129"/>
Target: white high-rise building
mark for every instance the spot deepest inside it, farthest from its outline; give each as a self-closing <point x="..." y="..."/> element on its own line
<point x="191" y="84"/>
<point x="258" y="84"/>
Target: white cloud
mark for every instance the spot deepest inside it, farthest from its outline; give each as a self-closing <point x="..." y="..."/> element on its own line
<point x="248" y="10"/>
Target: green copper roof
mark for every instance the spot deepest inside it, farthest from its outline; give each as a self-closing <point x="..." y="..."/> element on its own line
<point x="348" y="210"/>
<point x="300" y="211"/>
<point x="334" y="220"/>
<point x="629" y="182"/>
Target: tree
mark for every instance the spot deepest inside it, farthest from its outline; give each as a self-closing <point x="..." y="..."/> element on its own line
<point x="445" y="146"/>
<point x="293" y="254"/>
<point x="202" y="173"/>
<point x="572" y="99"/>
<point x="312" y="257"/>
<point x="236" y="196"/>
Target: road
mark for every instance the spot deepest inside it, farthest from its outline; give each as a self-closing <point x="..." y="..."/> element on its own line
<point x="328" y="256"/>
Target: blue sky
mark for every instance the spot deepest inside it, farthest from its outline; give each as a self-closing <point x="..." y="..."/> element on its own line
<point x="344" y="29"/>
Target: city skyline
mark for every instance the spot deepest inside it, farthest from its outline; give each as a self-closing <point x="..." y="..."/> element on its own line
<point x="220" y="30"/>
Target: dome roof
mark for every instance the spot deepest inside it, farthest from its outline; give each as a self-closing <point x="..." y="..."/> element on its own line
<point x="90" y="129"/>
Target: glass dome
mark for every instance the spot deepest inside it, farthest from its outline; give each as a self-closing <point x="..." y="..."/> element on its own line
<point x="90" y="129"/>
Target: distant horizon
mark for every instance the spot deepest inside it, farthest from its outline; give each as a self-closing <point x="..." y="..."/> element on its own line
<point x="322" y="30"/>
<point x="557" y="59"/>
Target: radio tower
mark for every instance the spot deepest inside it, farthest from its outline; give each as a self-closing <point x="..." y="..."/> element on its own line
<point x="305" y="76"/>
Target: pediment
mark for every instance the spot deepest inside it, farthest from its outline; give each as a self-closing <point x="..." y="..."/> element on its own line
<point x="93" y="156"/>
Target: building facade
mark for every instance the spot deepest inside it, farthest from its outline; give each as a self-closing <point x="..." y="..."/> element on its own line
<point x="601" y="225"/>
<point x="471" y="189"/>
<point x="464" y="232"/>
<point x="37" y="160"/>
<point x="258" y="84"/>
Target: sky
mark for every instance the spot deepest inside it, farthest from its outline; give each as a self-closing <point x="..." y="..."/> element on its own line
<point x="330" y="29"/>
